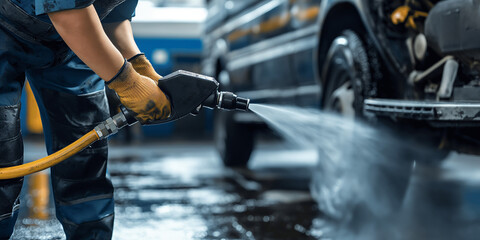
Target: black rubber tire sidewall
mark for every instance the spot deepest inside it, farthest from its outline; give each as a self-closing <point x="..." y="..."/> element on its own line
<point x="339" y="69"/>
<point x="234" y="141"/>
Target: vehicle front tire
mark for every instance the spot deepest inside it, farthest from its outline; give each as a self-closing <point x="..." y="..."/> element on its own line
<point x="348" y="82"/>
<point x="346" y="74"/>
<point x="234" y="141"/>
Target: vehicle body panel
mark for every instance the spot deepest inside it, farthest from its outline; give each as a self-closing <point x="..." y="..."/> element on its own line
<point x="274" y="50"/>
<point x="267" y="49"/>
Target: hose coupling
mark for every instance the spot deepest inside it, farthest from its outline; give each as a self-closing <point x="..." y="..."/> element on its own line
<point x="227" y="101"/>
<point x="111" y="126"/>
<point x="231" y="101"/>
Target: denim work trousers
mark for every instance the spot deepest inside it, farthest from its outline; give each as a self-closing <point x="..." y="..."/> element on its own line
<point x="72" y="100"/>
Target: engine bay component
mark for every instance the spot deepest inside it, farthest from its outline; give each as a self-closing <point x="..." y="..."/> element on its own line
<point x="448" y="79"/>
<point x="420" y="46"/>
<point x="452" y="28"/>
<point x="404" y="14"/>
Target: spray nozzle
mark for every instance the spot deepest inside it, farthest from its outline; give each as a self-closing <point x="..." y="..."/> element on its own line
<point x="226" y="101"/>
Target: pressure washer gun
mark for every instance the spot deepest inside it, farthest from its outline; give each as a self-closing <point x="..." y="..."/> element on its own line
<point x="188" y="92"/>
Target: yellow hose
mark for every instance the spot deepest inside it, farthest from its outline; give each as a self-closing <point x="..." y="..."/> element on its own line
<point x="48" y="161"/>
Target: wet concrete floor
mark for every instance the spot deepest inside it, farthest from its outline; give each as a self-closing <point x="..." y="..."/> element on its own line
<point x="182" y="191"/>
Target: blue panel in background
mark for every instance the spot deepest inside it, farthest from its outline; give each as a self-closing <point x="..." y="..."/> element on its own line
<point x="208" y="120"/>
<point x="165" y="53"/>
<point x="166" y="56"/>
<point x="160" y="130"/>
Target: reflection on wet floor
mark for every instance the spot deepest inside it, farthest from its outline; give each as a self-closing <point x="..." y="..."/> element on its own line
<point x="191" y="196"/>
<point x="186" y="193"/>
<point x="39" y="196"/>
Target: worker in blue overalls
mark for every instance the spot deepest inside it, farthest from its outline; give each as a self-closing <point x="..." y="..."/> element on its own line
<point x="65" y="48"/>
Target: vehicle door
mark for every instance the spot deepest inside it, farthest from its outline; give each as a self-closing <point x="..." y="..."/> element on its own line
<point x="304" y="23"/>
<point x="257" y="60"/>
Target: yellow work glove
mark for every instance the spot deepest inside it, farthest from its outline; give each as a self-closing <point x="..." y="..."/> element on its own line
<point x="141" y="64"/>
<point x="140" y="95"/>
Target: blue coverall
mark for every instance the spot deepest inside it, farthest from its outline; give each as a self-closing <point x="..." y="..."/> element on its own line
<point x="72" y="100"/>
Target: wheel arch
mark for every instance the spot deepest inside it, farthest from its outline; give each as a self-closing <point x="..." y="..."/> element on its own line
<point x="217" y="59"/>
<point x="340" y="15"/>
<point x="337" y="17"/>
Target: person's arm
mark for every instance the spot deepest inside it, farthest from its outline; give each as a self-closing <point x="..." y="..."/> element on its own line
<point x="120" y="33"/>
<point x="82" y="30"/>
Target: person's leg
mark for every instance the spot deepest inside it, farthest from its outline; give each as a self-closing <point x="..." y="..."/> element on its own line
<point x="72" y="102"/>
<point x="11" y="150"/>
<point x="11" y="144"/>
